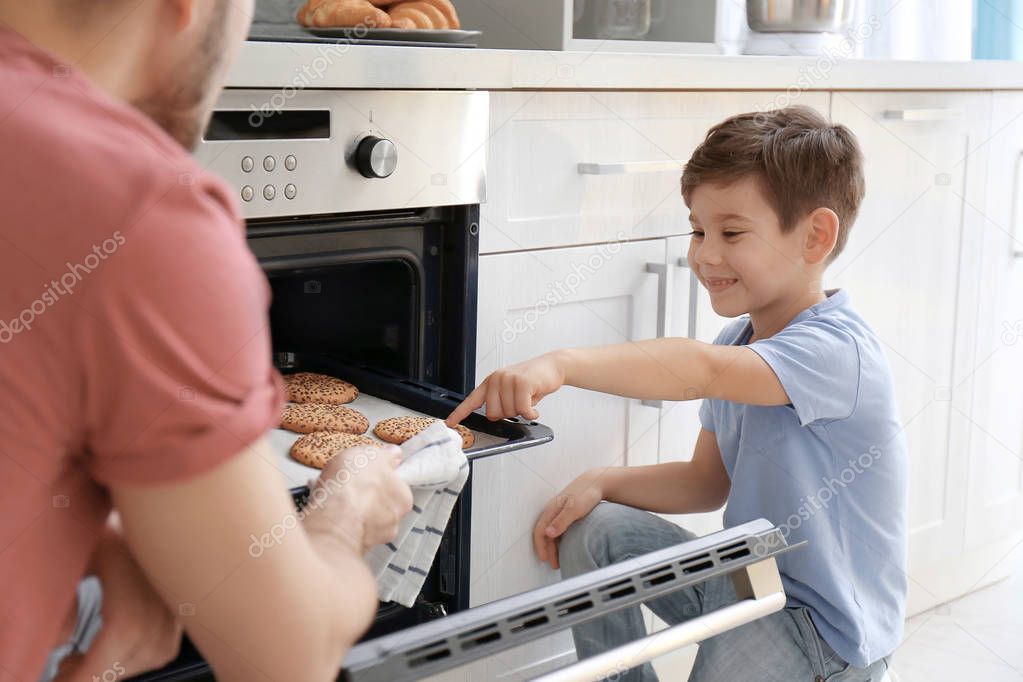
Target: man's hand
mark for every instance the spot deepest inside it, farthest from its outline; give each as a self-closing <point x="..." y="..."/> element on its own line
<point x="139" y="632"/>
<point x="514" y="390"/>
<point x="359" y="498"/>
<point x="573" y="503"/>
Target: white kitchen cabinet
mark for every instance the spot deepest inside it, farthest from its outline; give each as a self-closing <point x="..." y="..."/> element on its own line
<point x="911" y="266"/>
<point x="631" y="145"/>
<point x="531" y="303"/>
<point x="994" y="520"/>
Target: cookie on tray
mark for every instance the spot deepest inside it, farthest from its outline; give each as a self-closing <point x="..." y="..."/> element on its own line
<point x="311" y="417"/>
<point x="397" y="430"/>
<point x="316" y="449"/>
<point x="307" y="387"/>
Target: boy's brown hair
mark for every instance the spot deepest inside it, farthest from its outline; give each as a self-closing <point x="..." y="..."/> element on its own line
<point x="801" y="161"/>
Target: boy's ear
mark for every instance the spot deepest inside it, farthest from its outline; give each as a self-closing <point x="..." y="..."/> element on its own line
<point x="821" y="235"/>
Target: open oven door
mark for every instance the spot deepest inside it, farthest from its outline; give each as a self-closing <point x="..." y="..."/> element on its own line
<point x="746" y="553"/>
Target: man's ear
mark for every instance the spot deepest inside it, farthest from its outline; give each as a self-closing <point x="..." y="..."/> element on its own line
<point x="182" y="13"/>
<point x="821" y="235"/>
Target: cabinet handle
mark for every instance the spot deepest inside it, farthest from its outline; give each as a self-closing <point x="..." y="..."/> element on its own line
<point x="663" y="322"/>
<point x="924" y="114"/>
<point x="629" y="167"/>
<point x="694" y="297"/>
<point x="690" y="632"/>
<point x="1015" y="251"/>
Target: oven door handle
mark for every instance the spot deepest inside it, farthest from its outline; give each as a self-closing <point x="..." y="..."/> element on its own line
<point x="643" y="650"/>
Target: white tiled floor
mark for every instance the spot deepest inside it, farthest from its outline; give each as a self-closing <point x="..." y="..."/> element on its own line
<point x="978" y="637"/>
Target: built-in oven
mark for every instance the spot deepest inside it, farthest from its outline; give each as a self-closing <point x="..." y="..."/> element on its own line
<point x="362" y="208"/>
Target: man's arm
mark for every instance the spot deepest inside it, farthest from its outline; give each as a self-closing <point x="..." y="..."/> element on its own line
<point x="256" y="611"/>
<point x="699" y="485"/>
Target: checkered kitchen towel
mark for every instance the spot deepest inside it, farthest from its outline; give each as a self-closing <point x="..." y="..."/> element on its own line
<point x="436" y="469"/>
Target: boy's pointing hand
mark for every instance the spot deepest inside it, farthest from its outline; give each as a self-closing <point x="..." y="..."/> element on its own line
<point x="514" y="390"/>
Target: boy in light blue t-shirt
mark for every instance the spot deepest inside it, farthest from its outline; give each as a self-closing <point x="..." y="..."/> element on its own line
<point x="799" y="420"/>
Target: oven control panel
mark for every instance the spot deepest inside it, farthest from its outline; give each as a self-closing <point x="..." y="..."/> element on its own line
<point x="335" y="151"/>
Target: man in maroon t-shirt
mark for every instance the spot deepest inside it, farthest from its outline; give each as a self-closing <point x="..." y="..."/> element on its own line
<point x="135" y="371"/>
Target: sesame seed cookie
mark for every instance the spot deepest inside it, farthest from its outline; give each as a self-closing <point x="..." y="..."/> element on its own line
<point x="307" y="387"/>
<point x="397" y="430"/>
<point x="310" y="417"/>
<point x="316" y="449"/>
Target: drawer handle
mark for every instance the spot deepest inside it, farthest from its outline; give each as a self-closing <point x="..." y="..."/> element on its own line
<point x="1014" y="250"/>
<point x="629" y="167"/>
<point x="663" y="282"/>
<point x="924" y="114"/>
<point x="694" y="296"/>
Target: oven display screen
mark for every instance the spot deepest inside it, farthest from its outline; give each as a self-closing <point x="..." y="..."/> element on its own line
<point x="269" y="125"/>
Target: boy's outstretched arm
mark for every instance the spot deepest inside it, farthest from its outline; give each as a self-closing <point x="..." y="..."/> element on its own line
<point x="657" y="369"/>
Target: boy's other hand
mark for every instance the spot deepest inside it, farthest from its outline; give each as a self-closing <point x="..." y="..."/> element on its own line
<point x="514" y="390"/>
<point x="573" y="503"/>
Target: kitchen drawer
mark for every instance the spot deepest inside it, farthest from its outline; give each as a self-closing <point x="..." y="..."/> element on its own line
<point x="634" y="145"/>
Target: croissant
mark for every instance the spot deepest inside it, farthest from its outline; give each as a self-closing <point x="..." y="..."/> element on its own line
<point x="448" y="10"/>
<point x="327" y="13"/>
<point x="424" y="14"/>
<point x="406" y="16"/>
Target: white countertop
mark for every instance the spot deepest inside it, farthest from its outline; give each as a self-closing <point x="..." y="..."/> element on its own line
<point x="327" y="65"/>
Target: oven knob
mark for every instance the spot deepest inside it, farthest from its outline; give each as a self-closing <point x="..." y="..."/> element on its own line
<point x="376" y="157"/>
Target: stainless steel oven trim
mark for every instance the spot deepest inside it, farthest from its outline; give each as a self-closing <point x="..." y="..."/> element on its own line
<point x="441" y="137"/>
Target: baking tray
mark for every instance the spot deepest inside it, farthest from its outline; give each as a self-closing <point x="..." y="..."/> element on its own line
<point x="384" y="394"/>
<point x="374" y="409"/>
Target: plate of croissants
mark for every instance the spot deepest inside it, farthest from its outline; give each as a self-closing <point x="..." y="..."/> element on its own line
<point x="417" y="20"/>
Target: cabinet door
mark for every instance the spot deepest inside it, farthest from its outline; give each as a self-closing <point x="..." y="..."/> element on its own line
<point x="632" y="146"/>
<point x="911" y="268"/>
<point x="531" y="303"/>
<point x="995" y="509"/>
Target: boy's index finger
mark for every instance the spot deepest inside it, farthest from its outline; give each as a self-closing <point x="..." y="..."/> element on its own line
<point x="472" y="401"/>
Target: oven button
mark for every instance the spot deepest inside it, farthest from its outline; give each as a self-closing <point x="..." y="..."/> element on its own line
<point x="247" y="193"/>
<point x="290" y="162"/>
<point x="290" y="191"/>
<point x="269" y="192"/>
<point x="269" y="163"/>
<point x="376" y="157"/>
<point x="248" y="164"/>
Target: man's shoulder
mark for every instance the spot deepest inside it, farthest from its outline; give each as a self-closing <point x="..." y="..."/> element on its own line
<point x="81" y="153"/>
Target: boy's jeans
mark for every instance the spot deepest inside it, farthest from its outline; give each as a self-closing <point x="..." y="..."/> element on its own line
<point x="784" y="646"/>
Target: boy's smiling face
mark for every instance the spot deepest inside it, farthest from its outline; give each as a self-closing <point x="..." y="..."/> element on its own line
<point x="741" y="256"/>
